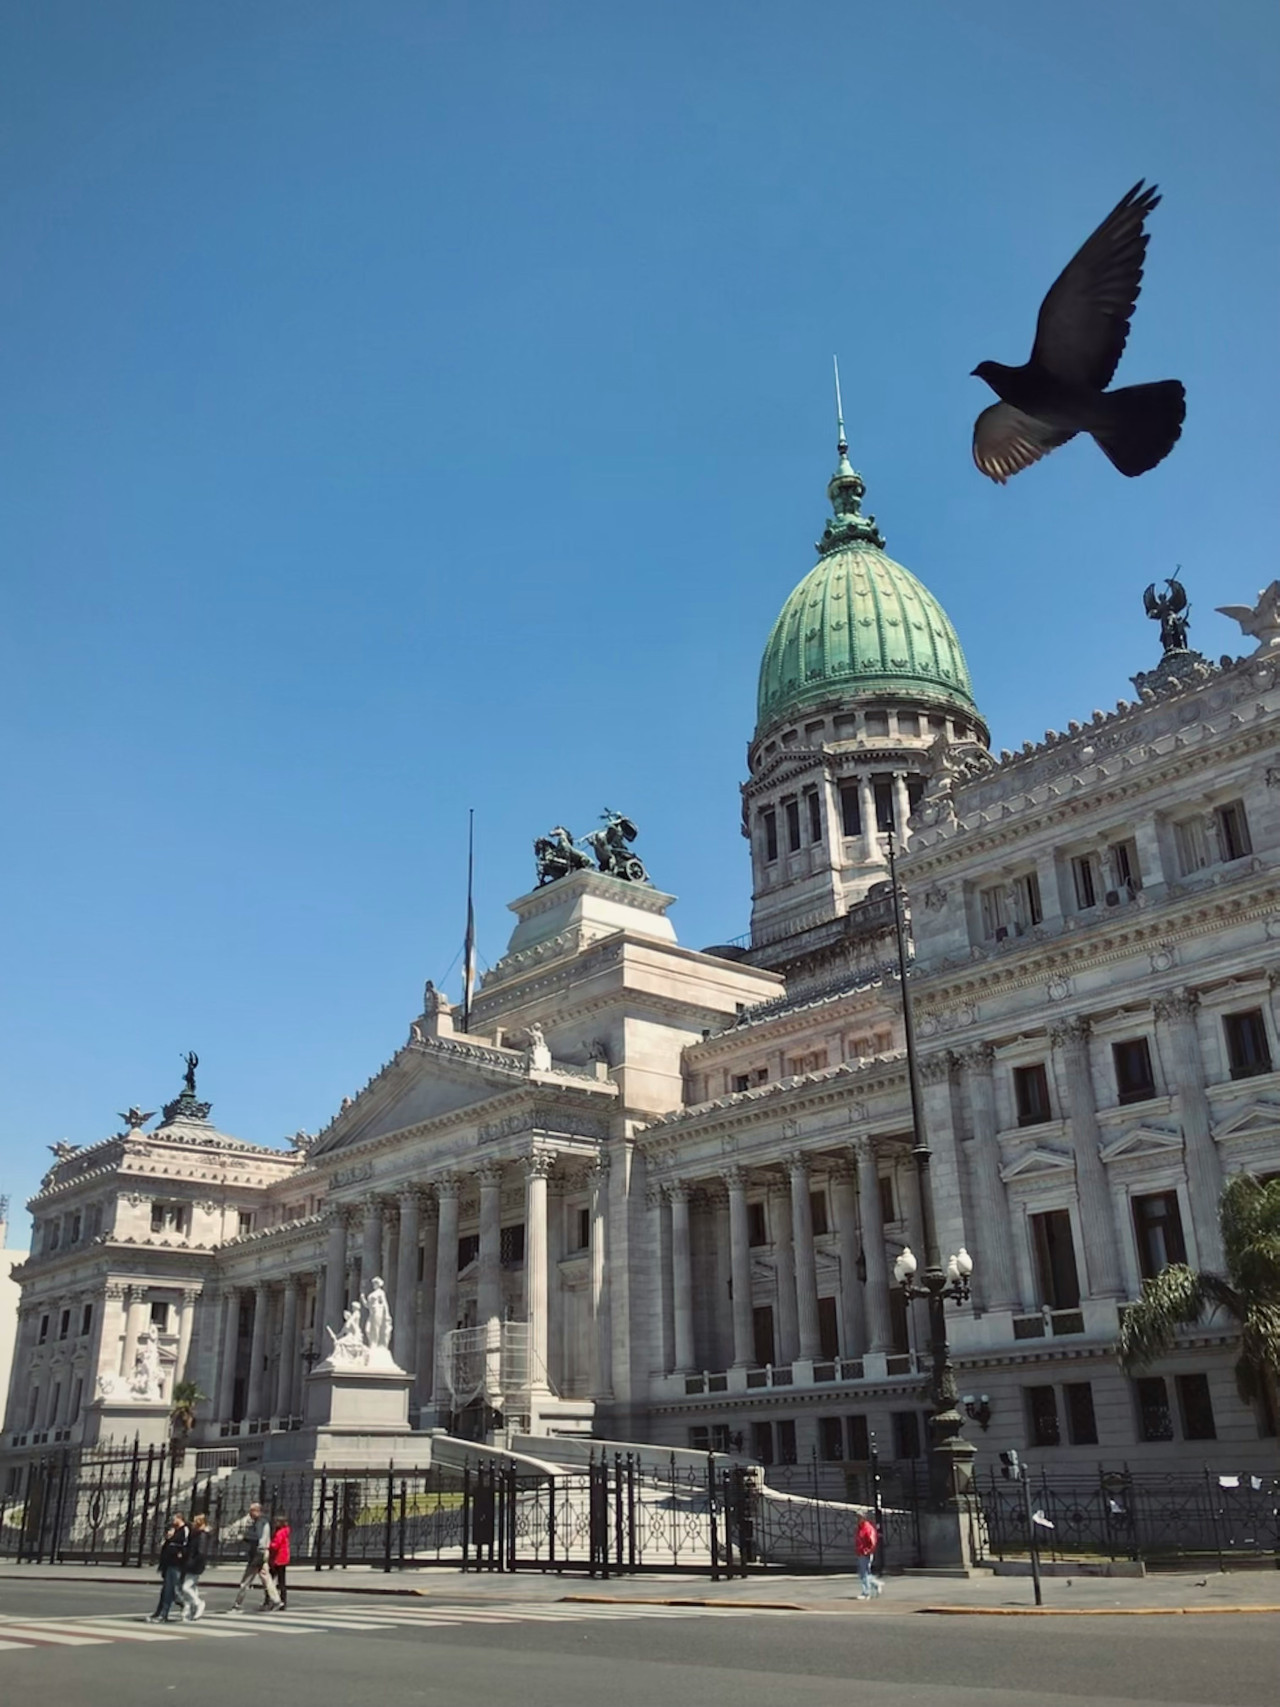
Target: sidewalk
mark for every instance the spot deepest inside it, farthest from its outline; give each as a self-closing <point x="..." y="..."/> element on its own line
<point x="1253" y="1591"/>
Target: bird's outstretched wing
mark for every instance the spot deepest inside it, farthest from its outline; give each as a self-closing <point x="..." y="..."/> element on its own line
<point x="1005" y="441"/>
<point x="1084" y="320"/>
<point x="1245" y="615"/>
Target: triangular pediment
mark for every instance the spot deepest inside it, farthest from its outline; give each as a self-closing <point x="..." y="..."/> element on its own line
<point x="1260" y="1117"/>
<point x="1039" y="1160"/>
<point x="1142" y="1141"/>
<point x="426" y="1080"/>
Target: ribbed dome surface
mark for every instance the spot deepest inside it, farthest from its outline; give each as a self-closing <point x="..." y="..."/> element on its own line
<point x="860" y="624"/>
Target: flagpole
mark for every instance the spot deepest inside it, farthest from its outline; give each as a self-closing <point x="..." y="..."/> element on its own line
<point x="469" y="944"/>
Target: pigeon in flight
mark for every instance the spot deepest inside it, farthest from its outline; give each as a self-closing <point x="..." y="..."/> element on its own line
<point x="1080" y="336"/>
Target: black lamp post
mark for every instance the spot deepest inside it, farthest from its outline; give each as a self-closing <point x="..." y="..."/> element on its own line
<point x="950" y="1455"/>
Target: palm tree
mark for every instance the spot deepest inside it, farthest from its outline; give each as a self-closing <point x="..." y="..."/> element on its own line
<point x="183" y="1400"/>
<point x="1249" y="1293"/>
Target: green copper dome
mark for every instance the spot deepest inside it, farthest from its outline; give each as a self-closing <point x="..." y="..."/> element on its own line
<point x="859" y="625"/>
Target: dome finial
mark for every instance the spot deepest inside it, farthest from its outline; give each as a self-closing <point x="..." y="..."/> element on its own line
<point x="846" y="490"/>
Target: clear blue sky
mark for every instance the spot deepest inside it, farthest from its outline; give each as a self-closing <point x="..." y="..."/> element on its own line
<point x="406" y="406"/>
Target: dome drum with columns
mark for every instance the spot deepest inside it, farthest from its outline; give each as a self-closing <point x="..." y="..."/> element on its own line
<point x="863" y="684"/>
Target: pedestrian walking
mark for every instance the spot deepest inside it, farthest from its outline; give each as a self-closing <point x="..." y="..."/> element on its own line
<point x="197" y="1557"/>
<point x="258" y="1542"/>
<point x="173" y="1553"/>
<point x="865" y="1546"/>
<point x="278" y="1557"/>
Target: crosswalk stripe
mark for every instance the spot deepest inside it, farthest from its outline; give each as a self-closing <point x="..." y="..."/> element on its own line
<point x="58" y="1638"/>
<point x="4" y="1644"/>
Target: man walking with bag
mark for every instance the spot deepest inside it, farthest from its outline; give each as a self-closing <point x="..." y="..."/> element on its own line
<point x="258" y="1532"/>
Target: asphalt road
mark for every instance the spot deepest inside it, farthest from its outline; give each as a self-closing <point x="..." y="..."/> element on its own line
<point x="559" y="1656"/>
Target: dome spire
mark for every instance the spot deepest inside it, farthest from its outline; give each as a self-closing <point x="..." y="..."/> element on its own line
<point x="848" y="526"/>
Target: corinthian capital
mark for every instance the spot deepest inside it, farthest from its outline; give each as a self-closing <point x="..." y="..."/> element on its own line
<point x="1070" y="1033"/>
<point x="1176" y="1005"/>
<point x="978" y="1058"/>
<point x="936" y="1069"/>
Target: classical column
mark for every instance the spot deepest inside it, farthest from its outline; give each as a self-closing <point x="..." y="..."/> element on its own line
<point x="186" y="1322"/>
<point x="424" y="1354"/>
<point x="257" y="1352"/>
<point x="806" y="1258"/>
<point x="879" y="1321"/>
<point x="1097" y="1219"/>
<point x="995" y="1273"/>
<point x="787" y="1337"/>
<point x="537" y="1167"/>
<point x="390" y="1268"/>
<point x="335" y="1280"/>
<point x="740" y="1268"/>
<point x="134" y="1322"/>
<point x="659" y="1212"/>
<point x="944" y="1163"/>
<point x="371" y="1243"/>
<point x="446" y="1281"/>
<point x="844" y="1209"/>
<point x="867" y="811"/>
<point x="489" y="1263"/>
<point x="681" y="1277"/>
<point x="1176" y="1018"/>
<point x="288" y="1349"/>
<point x="404" y="1311"/>
<point x="19" y="1370"/>
<point x="230" y="1347"/>
<point x="901" y="806"/>
<point x="598" y="1261"/>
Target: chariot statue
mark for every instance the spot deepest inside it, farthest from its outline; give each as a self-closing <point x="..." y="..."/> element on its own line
<point x="611" y="846"/>
<point x="557" y="856"/>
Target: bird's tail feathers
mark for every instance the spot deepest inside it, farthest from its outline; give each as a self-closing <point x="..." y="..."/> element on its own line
<point x="1144" y="423"/>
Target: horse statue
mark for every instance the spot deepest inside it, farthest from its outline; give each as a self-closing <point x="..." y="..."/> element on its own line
<point x="557" y="856"/>
<point x="611" y="846"/>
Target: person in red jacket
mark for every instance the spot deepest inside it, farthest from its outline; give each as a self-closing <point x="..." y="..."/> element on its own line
<point x="865" y="1543"/>
<point x="278" y="1559"/>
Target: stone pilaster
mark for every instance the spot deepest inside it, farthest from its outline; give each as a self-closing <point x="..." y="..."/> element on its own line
<point x="809" y="1334"/>
<point x="1097" y="1218"/>
<point x="287" y="1367"/>
<point x="936" y="1080"/>
<point x="787" y="1336"/>
<point x="446" y="1311"/>
<point x="424" y="1354"/>
<point x="404" y="1318"/>
<point x="230" y="1348"/>
<point x="879" y="1320"/>
<point x="995" y="1273"/>
<point x="335" y="1279"/>
<point x="681" y="1277"/>
<point x="489" y="1262"/>
<point x="537" y="1278"/>
<point x="844" y="1210"/>
<point x="1180" y="1050"/>
<point x="255" y="1401"/>
<point x="740" y="1268"/>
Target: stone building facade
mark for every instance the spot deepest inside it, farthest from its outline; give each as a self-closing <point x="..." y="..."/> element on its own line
<point x="670" y="1184"/>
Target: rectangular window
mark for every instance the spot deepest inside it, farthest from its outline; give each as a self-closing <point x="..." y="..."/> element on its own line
<point x="582" y="1228"/>
<point x="77" y="1394"/>
<point x="1084" y="876"/>
<point x="818" y="1211"/>
<point x="762" y="1335"/>
<point x="1155" y="1421"/>
<point x="742" y="1081"/>
<point x="1082" y="1427"/>
<point x="831" y="1438"/>
<point x="1196" y="1407"/>
<point x="76" y="1223"/>
<point x="468" y="1250"/>
<point x="1056" y="1260"/>
<point x="770" y="822"/>
<point x="859" y="1439"/>
<point x="86" y="1319"/>
<point x="1233" y="830"/>
<point x="792" y="810"/>
<point x="762" y="1442"/>
<point x="757" y="1224"/>
<point x="1157" y="1226"/>
<point x="511" y="1246"/>
<point x="157" y="1218"/>
<point x="1042" y="1415"/>
<point x="246" y="1222"/>
<point x="786" y="1432"/>
<point x="846" y="725"/>
<point x="906" y="1434"/>
<point x="888" y="1212"/>
<point x="828" y="1328"/>
<point x="882" y="790"/>
<point x="876" y="722"/>
<point x="44" y="1330"/>
<point x="1031" y="1094"/>
<point x="899" y="1326"/>
<point x="1135" y="1081"/>
<point x="1124" y="862"/>
<point x="850" y="809"/>
<point x="1248" y="1050"/>
<point x="915" y="791"/>
<point x="64" y="1324"/>
<point x="908" y="723"/>
<point x="995" y="910"/>
<point x="33" y="1405"/>
<point x="55" y="1233"/>
<point x="815" y="816"/>
<point x="160" y="1317"/>
<point x="1191" y="844"/>
<point x="1026" y="895"/>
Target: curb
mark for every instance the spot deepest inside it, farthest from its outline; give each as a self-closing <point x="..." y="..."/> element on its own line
<point x="714" y="1605"/>
<point x="147" y="1579"/>
<point x="1093" y="1611"/>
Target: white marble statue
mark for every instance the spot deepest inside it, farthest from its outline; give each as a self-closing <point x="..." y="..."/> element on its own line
<point x="1261" y="622"/>
<point x="377" y="1316"/>
<point x="349" y="1346"/>
<point x="537" y="1053"/>
<point x="144" y="1383"/>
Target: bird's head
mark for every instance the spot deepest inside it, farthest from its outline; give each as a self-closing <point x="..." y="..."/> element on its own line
<point x="987" y="371"/>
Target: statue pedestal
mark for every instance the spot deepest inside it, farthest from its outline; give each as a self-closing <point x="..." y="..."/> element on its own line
<point x="370" y="1398"/>
<point x="124" y="1420"/>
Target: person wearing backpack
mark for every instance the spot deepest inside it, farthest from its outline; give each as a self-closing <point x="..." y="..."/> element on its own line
<point x="865" y="1545"/>
<point x="278" y="1558"/>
